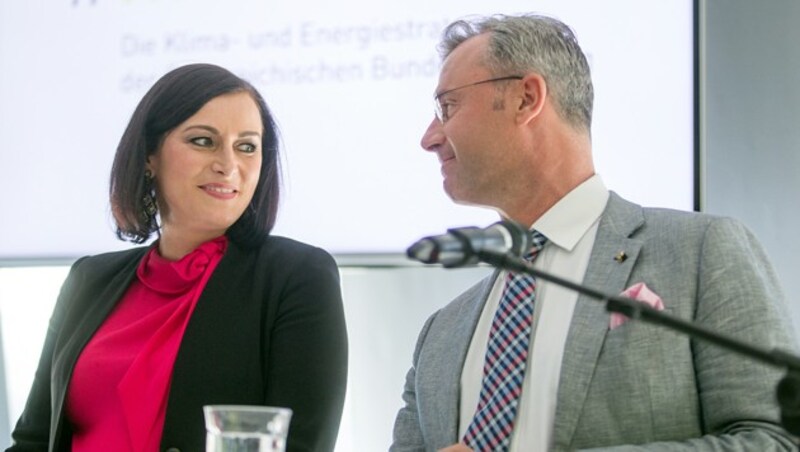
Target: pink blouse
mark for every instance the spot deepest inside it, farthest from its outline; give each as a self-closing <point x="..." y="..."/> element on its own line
<point x="117" y="397"/>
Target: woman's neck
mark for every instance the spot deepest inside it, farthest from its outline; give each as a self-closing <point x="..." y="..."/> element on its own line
<point x="174" y="244"/>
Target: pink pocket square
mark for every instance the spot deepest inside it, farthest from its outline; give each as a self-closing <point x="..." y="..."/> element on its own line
<point x="639" y="292"/>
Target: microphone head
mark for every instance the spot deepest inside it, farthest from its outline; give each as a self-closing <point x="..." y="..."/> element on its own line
<point x="464" y="246"/>
<point x="519" y="237"/>
<point x="424" y="250"/>
<point x="450" y="250"/>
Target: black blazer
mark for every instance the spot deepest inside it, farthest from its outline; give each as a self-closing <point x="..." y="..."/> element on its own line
<point x="268" y="329"/>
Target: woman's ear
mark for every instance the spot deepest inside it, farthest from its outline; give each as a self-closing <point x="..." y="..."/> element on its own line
<point x="149" y="166"/>
<point x="534" y="93"/>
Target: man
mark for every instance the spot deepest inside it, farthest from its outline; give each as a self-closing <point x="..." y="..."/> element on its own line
<point x="512" y="132"/>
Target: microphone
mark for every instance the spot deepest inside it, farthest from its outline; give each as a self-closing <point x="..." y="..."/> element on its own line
<point x="460" y="246"/>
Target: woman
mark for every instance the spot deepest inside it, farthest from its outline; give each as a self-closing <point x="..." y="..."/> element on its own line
<point x="215" y="311"/>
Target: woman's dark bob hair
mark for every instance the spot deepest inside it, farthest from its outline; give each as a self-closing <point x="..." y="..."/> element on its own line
<point x="173" y="99"/>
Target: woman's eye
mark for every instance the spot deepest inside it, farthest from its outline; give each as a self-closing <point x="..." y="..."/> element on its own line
<point x="202" y="141"/>
<point x="248" y="147"/>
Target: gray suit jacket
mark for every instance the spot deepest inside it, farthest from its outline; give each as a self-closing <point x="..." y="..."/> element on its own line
<point x="639" y="384"/>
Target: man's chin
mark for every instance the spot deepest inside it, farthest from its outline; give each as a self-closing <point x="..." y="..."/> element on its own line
<point x="462" y="200"/>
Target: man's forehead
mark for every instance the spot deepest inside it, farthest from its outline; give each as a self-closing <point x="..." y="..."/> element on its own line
<point x="465" y="62"/>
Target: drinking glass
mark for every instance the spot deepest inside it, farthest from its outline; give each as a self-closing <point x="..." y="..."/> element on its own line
<point x="244" y="428"/>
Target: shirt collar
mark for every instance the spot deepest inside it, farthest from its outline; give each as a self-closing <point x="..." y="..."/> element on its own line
<point x="573" y="215"/>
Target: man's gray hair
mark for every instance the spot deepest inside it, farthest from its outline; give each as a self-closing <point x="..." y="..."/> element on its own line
<point x="533" y="43"/>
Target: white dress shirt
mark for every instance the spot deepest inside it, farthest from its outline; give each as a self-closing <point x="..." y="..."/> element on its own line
<point x="570" y="227"/>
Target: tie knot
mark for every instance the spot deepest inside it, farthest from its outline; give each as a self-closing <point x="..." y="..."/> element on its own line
<point x="537" y="243"/>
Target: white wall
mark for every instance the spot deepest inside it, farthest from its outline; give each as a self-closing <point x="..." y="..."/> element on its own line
<point x="751" y="124"/>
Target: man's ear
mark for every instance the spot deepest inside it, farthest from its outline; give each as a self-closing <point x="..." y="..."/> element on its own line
<point x="534" y="93"/>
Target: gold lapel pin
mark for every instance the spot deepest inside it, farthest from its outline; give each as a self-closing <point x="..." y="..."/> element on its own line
<point x="620" y="257"/>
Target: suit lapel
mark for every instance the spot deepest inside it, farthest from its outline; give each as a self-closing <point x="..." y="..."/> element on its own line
<point x="590" y="320"/>
<point x="440" y="367"/>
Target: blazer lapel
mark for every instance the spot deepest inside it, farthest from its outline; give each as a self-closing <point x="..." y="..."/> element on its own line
<point x="93" y="306"/>
<point x="590" y="320"/>
<point x="439" y="367"/>
<point x="110" y="277"/>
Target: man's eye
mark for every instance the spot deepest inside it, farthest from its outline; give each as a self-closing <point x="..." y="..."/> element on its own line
<point x="445" y="110"/>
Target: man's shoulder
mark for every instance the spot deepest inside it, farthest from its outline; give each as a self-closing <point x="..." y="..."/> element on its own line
<point x="671" y="233"/>
<point x="663" y="221"/>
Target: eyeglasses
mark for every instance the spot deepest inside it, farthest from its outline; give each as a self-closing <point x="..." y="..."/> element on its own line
<point x="441" y="109"/>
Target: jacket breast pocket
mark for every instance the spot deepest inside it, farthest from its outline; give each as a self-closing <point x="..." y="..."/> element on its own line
<point x="643" y="387"/>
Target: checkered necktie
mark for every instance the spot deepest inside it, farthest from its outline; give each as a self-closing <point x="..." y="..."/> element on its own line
<point x="504" y="367"/>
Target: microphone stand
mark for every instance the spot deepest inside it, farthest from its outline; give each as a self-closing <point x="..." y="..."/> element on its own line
<point x="788" y="390"/>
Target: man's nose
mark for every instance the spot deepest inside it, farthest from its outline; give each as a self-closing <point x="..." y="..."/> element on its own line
<point x="433" y="136"/>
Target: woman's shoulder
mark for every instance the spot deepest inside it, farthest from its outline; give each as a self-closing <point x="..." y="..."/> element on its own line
<point x="274" y="246"/>
<point x="281" y="256"/>
<point x="111" y="261"/>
